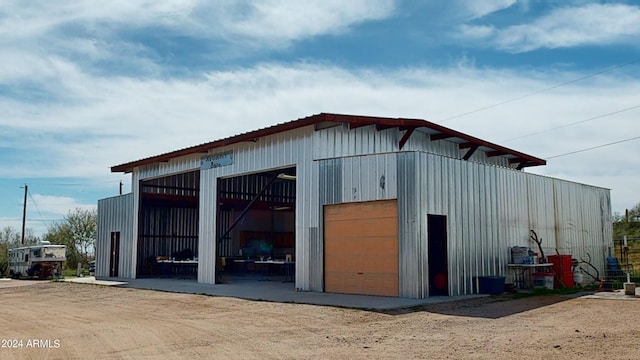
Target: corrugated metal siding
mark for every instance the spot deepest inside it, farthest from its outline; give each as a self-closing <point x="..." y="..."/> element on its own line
<point x="115" y="214"/>
<point x="358" y="178"/>
<point x="490" y="209"/>
<point x="412" y="251"/>
<point x="330" y="188"/>
<point x="174" y="166"/>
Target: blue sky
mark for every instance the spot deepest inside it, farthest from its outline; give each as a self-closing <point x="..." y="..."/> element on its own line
<point x="85" y="86"/>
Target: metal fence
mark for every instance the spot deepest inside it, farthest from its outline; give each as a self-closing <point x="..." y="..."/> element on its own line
<point x="628" y="259"/>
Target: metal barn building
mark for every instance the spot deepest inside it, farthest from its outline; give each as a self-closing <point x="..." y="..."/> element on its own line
<point x="356" y="204"/>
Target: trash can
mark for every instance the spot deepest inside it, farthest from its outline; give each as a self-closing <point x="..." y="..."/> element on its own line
<point x="492" y="285"/>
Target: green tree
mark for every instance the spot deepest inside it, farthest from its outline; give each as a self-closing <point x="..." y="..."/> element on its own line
<point x="78" y="232"/>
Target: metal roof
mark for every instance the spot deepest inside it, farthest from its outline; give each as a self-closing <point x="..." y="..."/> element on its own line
<point x="323" y="120"/>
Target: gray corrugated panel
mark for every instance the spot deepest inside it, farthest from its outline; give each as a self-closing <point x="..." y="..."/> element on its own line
<point x="411" y="244"/>
<point x="115" y="214"/>
<point x="490" y="209"/>
<point x="367" y="178"/>
<point x="330" y="192"/>
<point x="316" y="260"/>
<point x="340" y="141"/>
<point x="174" y="166"/>
<point x="330" y="181"/>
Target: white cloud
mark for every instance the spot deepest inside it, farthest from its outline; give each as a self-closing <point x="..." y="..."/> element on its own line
<point x="286" y="20"/>
<point x="124" y="119"/>
<point x="481" y="8"/>
<point x="592" y="24"/>
<point x="280" y="21"/>
<point x="56" y="206"/>
<point x="43" y="211"/>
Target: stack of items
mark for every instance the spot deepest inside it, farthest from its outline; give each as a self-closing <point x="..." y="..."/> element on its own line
<point x="522" y="255"/>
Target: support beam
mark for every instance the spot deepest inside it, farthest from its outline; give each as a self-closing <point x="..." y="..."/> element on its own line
<point x="495" y="153"/>
<point x="246" y="209"/>
<point x="470" y="152"/>
<point x="357" y="125"/>
<point x="467" y="145"/>
<point x="383" y="127"/>
<point x="405" y="137"/>
<point x="436" y="137"/>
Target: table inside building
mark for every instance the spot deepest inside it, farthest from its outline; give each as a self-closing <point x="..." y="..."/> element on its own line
<point x="182" y="268"/>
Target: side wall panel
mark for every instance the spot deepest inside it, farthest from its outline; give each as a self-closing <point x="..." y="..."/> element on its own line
<point x="491" y="209"/>
<point x="115" y="214"/>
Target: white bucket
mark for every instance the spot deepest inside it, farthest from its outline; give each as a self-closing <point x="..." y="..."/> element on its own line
<point x="578" y="277"/>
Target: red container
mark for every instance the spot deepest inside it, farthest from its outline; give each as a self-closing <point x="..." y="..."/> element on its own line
<point x="561" y="263"/>
<point x="563" y="269"/>
<point x="567" y="279"/>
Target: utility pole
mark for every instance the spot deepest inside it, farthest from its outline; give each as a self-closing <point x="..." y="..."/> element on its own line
<point x="24" y="211"/>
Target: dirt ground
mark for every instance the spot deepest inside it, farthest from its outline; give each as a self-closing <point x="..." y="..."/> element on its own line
<point x="76" y="321"/>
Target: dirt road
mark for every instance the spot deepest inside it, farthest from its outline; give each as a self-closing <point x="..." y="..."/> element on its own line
<point x="75" y="321"/>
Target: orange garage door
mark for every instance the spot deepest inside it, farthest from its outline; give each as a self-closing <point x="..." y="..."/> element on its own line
<point x="361" y="248"/>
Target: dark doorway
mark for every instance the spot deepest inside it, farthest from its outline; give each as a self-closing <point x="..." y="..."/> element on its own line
<point x="114" y="255"/>
<point x="256" y="222"/>
<point x="438" y="267"/>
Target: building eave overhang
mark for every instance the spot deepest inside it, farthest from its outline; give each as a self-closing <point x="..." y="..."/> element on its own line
<point x="323" y="120"/>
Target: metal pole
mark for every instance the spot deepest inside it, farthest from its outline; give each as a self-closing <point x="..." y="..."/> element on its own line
<point x="626" y="258"/>
<point x="24" y="212"/>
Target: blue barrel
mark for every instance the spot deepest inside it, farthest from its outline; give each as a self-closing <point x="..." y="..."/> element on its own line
<point x="492" y="285"/>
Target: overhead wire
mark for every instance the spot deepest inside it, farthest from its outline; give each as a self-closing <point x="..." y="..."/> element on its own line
<point x="36" y="205"/>
<point x="615" y="67"/>
<point x="594" y="147"/>
<point x="571" y="124"/>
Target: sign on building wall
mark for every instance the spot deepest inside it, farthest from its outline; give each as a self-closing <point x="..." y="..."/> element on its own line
<point x="216" y="160"/>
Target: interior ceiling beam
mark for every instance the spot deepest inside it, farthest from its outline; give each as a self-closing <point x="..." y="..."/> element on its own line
<point x="263" y="205"/>
<point x="406" y="137"/>
<point x="470" y="152"/>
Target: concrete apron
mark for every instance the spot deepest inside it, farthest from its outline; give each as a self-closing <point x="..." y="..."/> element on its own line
<point x="277" y="291"/>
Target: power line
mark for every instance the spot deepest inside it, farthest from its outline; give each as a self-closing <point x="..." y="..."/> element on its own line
<point x="595" y="147"/>
<point x="36" y="205"/>
<point x="31" y="220"/>
<point x="571" y="124"/>
<point x="541" y="91"/>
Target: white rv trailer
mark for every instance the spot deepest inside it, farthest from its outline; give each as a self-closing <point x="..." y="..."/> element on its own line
<point x="42" y="260"/>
